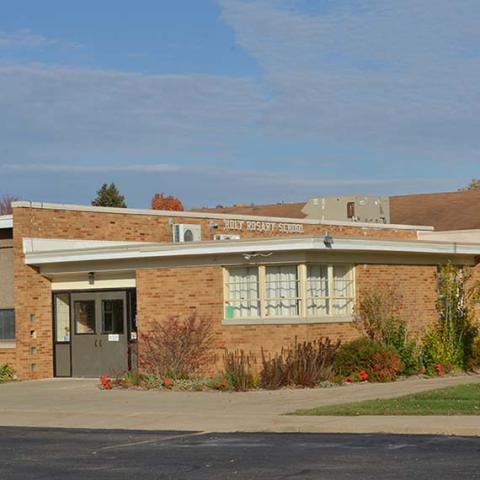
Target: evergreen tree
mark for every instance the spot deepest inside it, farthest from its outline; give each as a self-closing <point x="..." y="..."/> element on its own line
<point x="109" y="196"/>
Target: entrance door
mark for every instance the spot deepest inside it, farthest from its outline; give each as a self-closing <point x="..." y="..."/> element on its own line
<point x="99" y="336"/>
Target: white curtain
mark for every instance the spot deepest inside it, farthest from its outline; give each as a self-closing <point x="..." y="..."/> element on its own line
<point x="281" y="293"/>
<point x="317" y="290"/>
<point x="243" y="292"/>
<point x="342" y="294"/>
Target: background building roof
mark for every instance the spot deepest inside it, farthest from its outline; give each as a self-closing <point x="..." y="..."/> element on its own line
<point x="444" y="211"/>
<point x="287" y="210"/>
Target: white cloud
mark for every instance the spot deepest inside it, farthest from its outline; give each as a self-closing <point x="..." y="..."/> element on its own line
<point x="402" y="75"/>
<point x="28" y="39"/>
<point x="241" y="176"/>
<point x="60" y="113"/>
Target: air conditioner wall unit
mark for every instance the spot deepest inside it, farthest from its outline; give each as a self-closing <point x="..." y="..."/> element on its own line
<point x="183" y="232"/>
<point x="226" y="237"/>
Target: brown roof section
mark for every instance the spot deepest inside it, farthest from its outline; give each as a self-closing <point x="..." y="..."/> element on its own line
<point x="286" y="210"/>
<point x="444" y="211"/>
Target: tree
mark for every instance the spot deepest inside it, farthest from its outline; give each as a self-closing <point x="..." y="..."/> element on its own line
<point x="473" y="185"/>
<point x="166" y="202"/>
<point x="6" y="204"/>
<point x="109" y="196"/>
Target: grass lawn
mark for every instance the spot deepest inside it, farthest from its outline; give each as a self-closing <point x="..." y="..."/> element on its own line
<point x="459" y="400"/>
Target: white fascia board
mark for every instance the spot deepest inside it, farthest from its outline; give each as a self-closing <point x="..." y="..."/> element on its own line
<point x="217" y="216"/>
<point x="260" y="246"/>
<point x="6" y="221"/>
<point x="37" y="245"/>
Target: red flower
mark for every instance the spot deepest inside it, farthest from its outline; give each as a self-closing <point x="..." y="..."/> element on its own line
<point x="363" y="375"/>
<point x="349" y="379"/>
<point x="220" y="385"/>
<point x="105" y="382"/>
<point x="168" y="382"/>
<point x="439" y="368"/>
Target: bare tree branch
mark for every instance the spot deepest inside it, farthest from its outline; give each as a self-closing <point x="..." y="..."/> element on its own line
<point x="6" y="204"/>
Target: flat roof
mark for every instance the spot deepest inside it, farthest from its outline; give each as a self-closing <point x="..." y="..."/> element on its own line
<point x="213" y="215"/>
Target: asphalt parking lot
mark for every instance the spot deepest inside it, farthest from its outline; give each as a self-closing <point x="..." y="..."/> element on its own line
<point x="39" y="453"/>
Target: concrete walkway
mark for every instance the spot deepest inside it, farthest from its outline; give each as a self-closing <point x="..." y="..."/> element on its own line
<point x="75" y="403"/>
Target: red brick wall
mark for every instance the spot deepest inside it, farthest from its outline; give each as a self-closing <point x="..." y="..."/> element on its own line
<point x="415" y="285"/>
<point x="33" y="295"/>
<point x="162" y="293"/>
<point x="8" y="356"/>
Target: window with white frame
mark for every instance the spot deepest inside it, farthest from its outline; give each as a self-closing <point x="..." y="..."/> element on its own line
<point x="242" y="293"/>
<point x="281" y="291"/>
<point x="289" y="291"/>
<point x="317" y="291"/>
<point x="330" y="290"/>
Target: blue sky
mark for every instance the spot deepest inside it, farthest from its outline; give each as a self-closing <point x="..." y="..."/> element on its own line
<point x="231" y="101"/>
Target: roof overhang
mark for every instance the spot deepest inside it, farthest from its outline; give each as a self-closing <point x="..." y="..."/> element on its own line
<point x="6" y="221"/>
<point x="139" y="251"/>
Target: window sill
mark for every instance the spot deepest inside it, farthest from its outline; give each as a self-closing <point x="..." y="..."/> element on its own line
<point x="7" y="344"/>
<point x="288" y="320"/>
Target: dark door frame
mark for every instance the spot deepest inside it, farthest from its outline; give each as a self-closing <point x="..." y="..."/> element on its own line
<point x="131" y="300"/>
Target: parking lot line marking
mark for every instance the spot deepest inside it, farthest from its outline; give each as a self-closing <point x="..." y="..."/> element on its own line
<point x="146" y="442"/>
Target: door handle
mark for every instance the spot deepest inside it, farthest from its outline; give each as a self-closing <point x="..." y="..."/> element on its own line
<point x="100" y="342"/>
<point x="96" y="343"/>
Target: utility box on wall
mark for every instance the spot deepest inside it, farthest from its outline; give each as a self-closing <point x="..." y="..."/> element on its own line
<point x="354" y="208"/>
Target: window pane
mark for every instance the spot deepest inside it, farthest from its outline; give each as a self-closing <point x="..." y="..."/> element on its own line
<point x="84" y="314"/>
<point x="342" y="302"/>
<point x="281" y="295"/>
<point x="7" y="324"/>
<point x="112" y="316"/>
<point x="62" y="317"/>
<point x="342" y="306"/>
<point x="242" y="297"/>
<point x="317" y="290"/>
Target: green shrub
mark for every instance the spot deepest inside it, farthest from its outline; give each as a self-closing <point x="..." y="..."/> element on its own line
<point x="381" y="362"/>
<point x="408" y="350"/>
<point x="450" y="342"/>
<point x="7" y="373"/>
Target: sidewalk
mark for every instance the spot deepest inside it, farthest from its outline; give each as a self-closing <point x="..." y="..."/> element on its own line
<point x="78" y="403"/>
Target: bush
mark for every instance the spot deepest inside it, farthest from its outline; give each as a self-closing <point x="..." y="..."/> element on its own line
<point x="378" y="318"/>
<point x="408" y="350"/>
<point x="177" y="348"/>
<point x="381" y="362"/>
<point x="304" y="364"/>
<point x="450" y="342"/>
<point x="385" y="366"/>
<point x="474" y="361"/>
<point x="7" y="373"/>
<point x="239" y="370"/>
